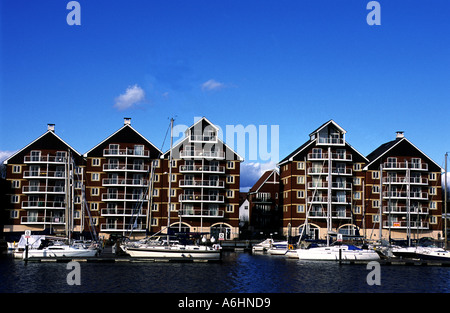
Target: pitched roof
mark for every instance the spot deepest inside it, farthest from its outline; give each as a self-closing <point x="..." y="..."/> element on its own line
<point x="375" y="156"/>
<point x="326" y="124"/>
<point x="40" y="143"/>
<point x="263" y="179"/>
<point x="126" y="130"/>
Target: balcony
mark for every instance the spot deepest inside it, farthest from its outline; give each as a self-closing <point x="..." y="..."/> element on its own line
<point x="343" y="200"/>
<point x="405" y="166"/>
<point x="43" y="189"/>
<point x="401" y="209"/>
<point x="125" y="182"/>
<point x="186" y="154"/>
<point x="334" y="157"/>
<point x="122" y="212"/>
<point x="44" y="174"/>
<point x="201" y="198"/>
<point x="202" y="169"/>
<point x="334" y="185"/>
<point x="112" y="227"/>
<point x="44" y="159"/>
<point x="202" y="183"/>
<point x="330" y="141"/>
<point x="29" y="220"/>
<point x="202" y="138"/>
<point x="335" y="214"/>
<point x="122" y="167"/>
<point x="404" y="181"/>
<point x="126" y="153"/>
<point x="404" y="224"/>
<point x="334" y="171"/>
<point x="123" y="197"/>
<point x="404" y="195"/>
<point x="43" y="205"/>
<point x="201" y="213"/>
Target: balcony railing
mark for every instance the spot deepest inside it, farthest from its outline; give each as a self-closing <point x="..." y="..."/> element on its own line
<point x="122" y="212"/>
<point x="124" y="182"/>
<point x="330" y="141"/>
<point x="121" y="167"/>
<point x="126" y="152"/>
<point x="201" y="198"/>
<point x="404" y="224"/>
<point x="111" y="227"/>
<point x="202" y="154"/>
<point x="200" y="213"/>
<point x="401" y="209"/>
<point x="202" y="169"/>
<point x="334" y="185"/>
<point x="203" y="138"/>
<point x="334" y="156"/>
<point x="202" y="183"/>
<point x="43" y="205"/>
<point x="405" y="165"/>
<point x="404" y="180"/>
<point x="42" y="220"/>
<point x="404" y="195"/>
<point x="123" y="197"/>
<point x="44" y="159"/>
<point x="334" y="171"/>
<point x="44" y="174"/>
<point x="44" y="189"/>
<point x="335" y="214"/>
<point x="334" y="199"/>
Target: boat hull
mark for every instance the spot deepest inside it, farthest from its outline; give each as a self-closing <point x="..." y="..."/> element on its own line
<point x="60" y="253"/>
<point x="336" y="254"/>
<point x="174" y="253"/>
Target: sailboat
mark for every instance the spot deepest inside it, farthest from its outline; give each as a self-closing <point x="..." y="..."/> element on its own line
<point x="337" y="251"/>
<point x="57" y="247"/>
<point x="171" y="249"/>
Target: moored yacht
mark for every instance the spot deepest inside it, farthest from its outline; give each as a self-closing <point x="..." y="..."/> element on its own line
<point x="337" y="252"/>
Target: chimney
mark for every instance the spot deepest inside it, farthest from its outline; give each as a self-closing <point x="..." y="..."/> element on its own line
<point x="127" y="121"/>
<point x="400" y="135"/>
<point x="51" y="127"/>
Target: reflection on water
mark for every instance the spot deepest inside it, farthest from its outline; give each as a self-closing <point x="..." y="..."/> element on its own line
<point x="238" y="273"/>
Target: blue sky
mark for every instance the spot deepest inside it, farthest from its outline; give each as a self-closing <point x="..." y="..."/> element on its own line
<point x="291" y="63"/>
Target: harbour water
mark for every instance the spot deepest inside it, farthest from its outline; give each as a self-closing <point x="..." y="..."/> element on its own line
<point x="239" y="272"/>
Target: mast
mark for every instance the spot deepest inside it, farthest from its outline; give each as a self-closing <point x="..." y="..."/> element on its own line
<point x="170" y="179"/>
<point x="445" y="202"/>
<point x="329" y="197"/>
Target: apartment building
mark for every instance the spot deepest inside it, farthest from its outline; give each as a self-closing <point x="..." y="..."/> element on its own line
<point x="321" y="185"/>
<point x="45" y="181"/>
<point x="204" y="184"/>
<point x="263" y="204"/>
<point x="118" y="181"/>
<point x="404" y="193"/>
<point x="329" y="187"/>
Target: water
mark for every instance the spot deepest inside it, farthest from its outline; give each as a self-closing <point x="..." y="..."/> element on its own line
<point x="237" y="273"/>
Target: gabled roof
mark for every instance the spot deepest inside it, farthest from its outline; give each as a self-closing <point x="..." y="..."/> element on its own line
<point x="375" y="156"/>
<point x="35" y="144"/>
<point x="291" y="156"/>
<point x="125" y="128"/>
<point x="186" y="138"/>
<point x="326" y="124"/>
<point x="263" y="179"/>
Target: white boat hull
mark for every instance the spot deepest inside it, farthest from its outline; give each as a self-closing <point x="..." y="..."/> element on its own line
<point x="68" y="252"/>
<point x="336" y="253"/>
<point x="174" y="252"/>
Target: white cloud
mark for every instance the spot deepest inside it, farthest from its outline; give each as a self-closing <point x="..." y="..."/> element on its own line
<point x="5" y="154"/>
<point x="211" y="85"/>
<point x="132" y="96"/>
<point x="251" y="172"/>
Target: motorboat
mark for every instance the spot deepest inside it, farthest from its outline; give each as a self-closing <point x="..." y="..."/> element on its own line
<point x="263" y="246"/>
<point x="278" y="248"/>
<point x="337" y="252"/>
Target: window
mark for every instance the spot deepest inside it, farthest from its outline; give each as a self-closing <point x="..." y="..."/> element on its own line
<point x="230" y="193"/>
<point x="357" y="181"/>
<point x="433" y="191"/>
<point x="17" y="169"/>
<point x="95" y="162"/>
<point x="357" y="209"/>
<point x="16" y="184"/>
<point x="432" y="176"/>
<point x="375" y="189"/>
<point x="357" y="166"/>
<point x="155" y="192"/>
<point x="95" y="176"/>
<point x="356" y="195"/>
<point x="113" y="149"/>
<point x="172" y="192"/>
<point x="230" y="179"/>
<point x="14" y="214"/>
<point x="230" y="208"/>
<point x="433" y="205"/>
<point x="230" y="164"/>
<point x="14" y="199"/>
<point x="300" y="179"/>
<point x="300" y="194"/>
<point x="375" y="175"/>
<point x="154" y="222"/>
<point x="138" y="150"/>
<point x="94" y="206"/>
<point x="35" y="156"/>
<point x="300" y="165"/>
<point x="94" y="192"/>
<point x="300" y="208"/>
<point x="376" y="203"/>
<point x="154" y="207"/>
